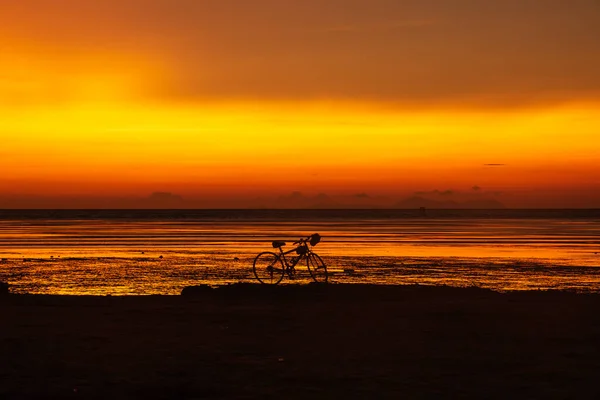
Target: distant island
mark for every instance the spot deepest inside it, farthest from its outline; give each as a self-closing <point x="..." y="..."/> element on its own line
<point x="418" y="202"/>
<point x="294" y="200"/>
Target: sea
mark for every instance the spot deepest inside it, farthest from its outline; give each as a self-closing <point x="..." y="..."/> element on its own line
<point x="150" y="252"/>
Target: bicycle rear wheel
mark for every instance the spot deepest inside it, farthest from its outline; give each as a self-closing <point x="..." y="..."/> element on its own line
<point x="317" y="268"/>
<point x="268" y="268"/>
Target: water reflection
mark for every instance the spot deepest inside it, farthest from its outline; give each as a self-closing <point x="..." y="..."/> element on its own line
<point x="124" y="257"/>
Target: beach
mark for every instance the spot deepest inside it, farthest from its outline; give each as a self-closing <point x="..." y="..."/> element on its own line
<point x="334" y="341"/>
<point x="164" y="305"/>
<point x="159" y="252"/>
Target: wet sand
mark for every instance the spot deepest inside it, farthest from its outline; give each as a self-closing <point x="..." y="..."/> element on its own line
<point x="340" y="341"/>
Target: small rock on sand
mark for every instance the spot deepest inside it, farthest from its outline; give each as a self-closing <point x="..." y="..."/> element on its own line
<point x="196" y="290"/>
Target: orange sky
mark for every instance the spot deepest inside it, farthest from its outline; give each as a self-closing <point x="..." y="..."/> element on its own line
<point x="236" y="100"/>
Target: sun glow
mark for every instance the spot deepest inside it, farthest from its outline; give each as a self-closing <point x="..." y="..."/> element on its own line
<point x="91" y="124"/>
<point x="273" y="143"/>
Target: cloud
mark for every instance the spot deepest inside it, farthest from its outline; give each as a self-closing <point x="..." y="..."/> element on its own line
<point x="436" y="192"/>
<point x="409" y="52"/>
<point x="163" y="199"/>
<point x="381" y="27"/>
<point x="494" y="165"/>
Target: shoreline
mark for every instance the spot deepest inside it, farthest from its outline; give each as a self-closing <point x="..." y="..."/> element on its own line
<point x="348" y="291"/>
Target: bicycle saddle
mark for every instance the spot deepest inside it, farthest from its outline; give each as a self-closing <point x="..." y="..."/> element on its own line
<point x="278" y="243"/>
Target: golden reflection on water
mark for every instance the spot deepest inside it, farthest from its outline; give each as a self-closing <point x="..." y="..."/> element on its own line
<point x="124" y="258"/>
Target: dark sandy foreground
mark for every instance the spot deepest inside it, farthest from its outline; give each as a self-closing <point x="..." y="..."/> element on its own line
<point x="308" y="342"/>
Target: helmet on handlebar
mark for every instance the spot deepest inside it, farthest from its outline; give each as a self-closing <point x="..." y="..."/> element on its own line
<point x="315" y="239"/>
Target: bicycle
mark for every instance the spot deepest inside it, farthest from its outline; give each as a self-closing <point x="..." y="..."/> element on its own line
<point x="269" y="267"/>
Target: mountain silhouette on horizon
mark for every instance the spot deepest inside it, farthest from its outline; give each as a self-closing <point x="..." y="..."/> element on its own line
<point x="418" y="202"/>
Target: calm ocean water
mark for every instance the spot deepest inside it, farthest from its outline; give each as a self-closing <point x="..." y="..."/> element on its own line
<point x="161" y="251"/>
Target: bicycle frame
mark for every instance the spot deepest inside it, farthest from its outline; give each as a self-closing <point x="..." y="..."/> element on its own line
<point x="282" y="256"/>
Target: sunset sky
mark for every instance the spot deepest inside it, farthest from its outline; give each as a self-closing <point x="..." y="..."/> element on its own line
<point x="222" y="101"/>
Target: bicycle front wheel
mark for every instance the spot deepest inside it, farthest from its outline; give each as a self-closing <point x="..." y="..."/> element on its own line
<point x="268" y="268"/>
<point x="317" y="268"/>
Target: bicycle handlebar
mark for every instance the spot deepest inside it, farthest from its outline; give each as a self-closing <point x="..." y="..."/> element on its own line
<point x="303" y="240"/>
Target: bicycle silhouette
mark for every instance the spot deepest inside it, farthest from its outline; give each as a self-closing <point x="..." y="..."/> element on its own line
<point x="269" y="268"/>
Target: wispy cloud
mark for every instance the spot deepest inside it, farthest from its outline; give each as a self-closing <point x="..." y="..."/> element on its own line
<point x="381" y="27"/>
